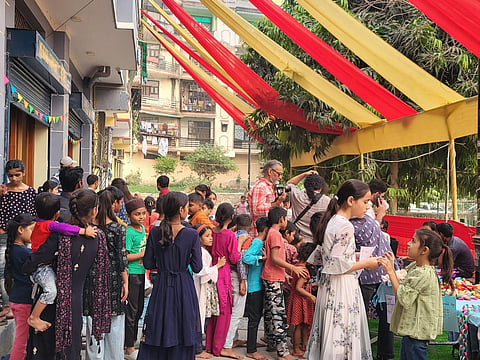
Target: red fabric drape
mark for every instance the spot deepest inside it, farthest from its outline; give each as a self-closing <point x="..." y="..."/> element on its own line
<point x="233" y="111"/>
<point x="402" y="228"/>
<point x="459" y="18"/>
<point x="355" y="79"/>
<point x="257" y="88"/>
<point x="200" y="60"/>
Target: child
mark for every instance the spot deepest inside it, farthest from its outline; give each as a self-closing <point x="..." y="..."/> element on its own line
<point x="254" y="258"/>
<point x="290" y="257"/>
<point x="417" y="315"/>
<point x="172" y="320"/>
<point x="273" y="275"/>
<point x="339" y="301"/>
<point x="135" y="244"/>
<point x="298" y="240"/>
<point x="224" y="245"/>
<point x="301" y="304"/>
<point x="205" y="284"/>
<point x="238" y="275"/>
<point x="197" y="216"/>
<point x="47" y="206"/>
<point x="19" y="230"/>
<point x="208" y="208"/>
<point x="151" y="215"/>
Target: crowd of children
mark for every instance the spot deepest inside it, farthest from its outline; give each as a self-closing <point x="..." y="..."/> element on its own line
<point x="207" y="273"/>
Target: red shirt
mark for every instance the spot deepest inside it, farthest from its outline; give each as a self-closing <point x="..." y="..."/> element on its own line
<point x="271" y="271"/>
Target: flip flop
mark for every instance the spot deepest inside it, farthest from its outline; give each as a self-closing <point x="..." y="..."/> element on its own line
<point x="3" y="322"/>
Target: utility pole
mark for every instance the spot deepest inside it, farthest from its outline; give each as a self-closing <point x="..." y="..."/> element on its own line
<point x="476" y="238"/>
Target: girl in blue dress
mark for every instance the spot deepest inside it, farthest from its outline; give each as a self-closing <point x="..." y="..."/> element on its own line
<point x="172" y="321"/>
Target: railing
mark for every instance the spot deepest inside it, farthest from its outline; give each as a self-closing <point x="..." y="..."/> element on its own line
<point x="189" y="142"/>
<point x="199" y="107"/>
<point x="162" y="102"/>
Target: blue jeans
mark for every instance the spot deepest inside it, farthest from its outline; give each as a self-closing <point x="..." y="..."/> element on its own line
<point x="45" y="277"/>
<point x="111" y="346"/>
<point x="413" y="349"/>
<point x="3" y="247"/>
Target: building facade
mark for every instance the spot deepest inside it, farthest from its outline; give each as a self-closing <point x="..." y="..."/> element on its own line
<point x="176" y="115"/>
<point x="67" y="70"/>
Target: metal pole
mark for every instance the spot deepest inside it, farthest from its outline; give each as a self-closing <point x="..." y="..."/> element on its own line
<point x="453" y="179"/>
<point x="248" y="168"/>
<point x="476" y="238"/>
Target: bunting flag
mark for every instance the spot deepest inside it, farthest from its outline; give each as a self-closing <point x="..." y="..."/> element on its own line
<point x="17" y="97"/>
<point x="257" y="88"/>
<point x="74" y="141"/>
<point x="459" y="18"/>
<point x="417" y="84"/>
<point x="355" y="79"/>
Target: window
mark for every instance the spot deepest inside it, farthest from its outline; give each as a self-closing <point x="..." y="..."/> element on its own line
<point x="150" y="90"/>
<point x="206" y="22"/>
<point x="240" y="133"/>
<point x="199" y="130"/>
<point x="195" y="99"/>
<point x="153" y="50"/>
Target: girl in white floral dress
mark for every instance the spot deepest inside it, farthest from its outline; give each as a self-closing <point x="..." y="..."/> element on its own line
<point x="340" y="327"/>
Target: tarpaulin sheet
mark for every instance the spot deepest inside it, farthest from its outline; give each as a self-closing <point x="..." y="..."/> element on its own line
<point x="402" y="228"/>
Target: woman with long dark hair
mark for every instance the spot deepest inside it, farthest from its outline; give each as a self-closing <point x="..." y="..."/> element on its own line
<point x="15" y="198"/>
<point x="82" y="263"/>
<point x="111" y="347"/>
<point x="172" y="321"/>
<point x="121" y="184"/>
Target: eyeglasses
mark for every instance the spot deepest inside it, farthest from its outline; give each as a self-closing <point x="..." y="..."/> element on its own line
<point x="277" y="172"/>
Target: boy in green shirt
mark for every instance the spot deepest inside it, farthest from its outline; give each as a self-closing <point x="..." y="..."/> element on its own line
<point x="136" y="240"/>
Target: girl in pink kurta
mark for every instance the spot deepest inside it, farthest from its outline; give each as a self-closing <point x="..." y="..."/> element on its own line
<point x="224" y="245"/>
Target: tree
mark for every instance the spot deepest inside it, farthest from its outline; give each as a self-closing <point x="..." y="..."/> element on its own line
<point x="208" y="161"/>
<point x="164" y="165"/>
<point x="413" y="34"/>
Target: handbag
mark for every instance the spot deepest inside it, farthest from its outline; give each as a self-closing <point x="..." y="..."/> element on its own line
<point x="212" y="302"/>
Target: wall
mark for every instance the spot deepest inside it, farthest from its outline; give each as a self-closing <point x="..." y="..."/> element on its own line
<point x="149" y="177"/>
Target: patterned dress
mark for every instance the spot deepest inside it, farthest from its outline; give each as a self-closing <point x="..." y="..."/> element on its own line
<point x="340" y="327"/>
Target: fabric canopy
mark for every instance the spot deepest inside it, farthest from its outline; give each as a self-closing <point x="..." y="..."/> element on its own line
<point x="355" y="79"/>
<point x="257" y="88"/>
<point x="206" y="61"/>
<point x="442" y="124"/>
<point x="211" y="87"/>
<point x="293" y="67"/>
<point x="405" y="75"/>
<point x="459" y="18"/>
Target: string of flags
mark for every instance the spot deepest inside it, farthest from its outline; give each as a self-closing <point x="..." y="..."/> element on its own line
<point x="74" y="141"/>
<point x="31" y="109"/>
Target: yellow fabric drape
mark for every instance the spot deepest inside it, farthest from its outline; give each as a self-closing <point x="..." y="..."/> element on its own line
<point x="441" y="124"/>
<point x="237" y="102"/>
<point x="293" y="67"/>
<point x="404" y="74"/>
<point x="195" y="44"/>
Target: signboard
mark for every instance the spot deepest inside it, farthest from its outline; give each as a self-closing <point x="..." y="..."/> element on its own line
<point x="45" y="56"/>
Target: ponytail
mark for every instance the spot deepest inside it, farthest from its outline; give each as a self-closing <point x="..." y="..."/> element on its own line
<point x="447" y="267"/>
<point x="224" y="213"/>
<point x="22" y="220"/>
<point x="172" y="203"/>
<point x="323" y="222"/>
<point x="434" y="242"/>
<point x="350" y="188"/>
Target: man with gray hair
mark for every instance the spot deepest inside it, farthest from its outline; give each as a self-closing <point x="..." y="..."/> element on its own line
<point x="262" y="196"/>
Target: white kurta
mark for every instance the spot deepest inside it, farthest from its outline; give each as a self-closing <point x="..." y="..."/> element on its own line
<point x="201" y="279"/>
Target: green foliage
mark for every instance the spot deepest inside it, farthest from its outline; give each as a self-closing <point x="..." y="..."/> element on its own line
<point x="134" y="178"/>
<point x="208" y="161"/>
<point x="164" y="165"/>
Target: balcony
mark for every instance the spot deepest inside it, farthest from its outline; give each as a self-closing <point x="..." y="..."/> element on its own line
<point x="161" y="66"/>
<point x="200" y="107"/>
<point x="193" y="143"/>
